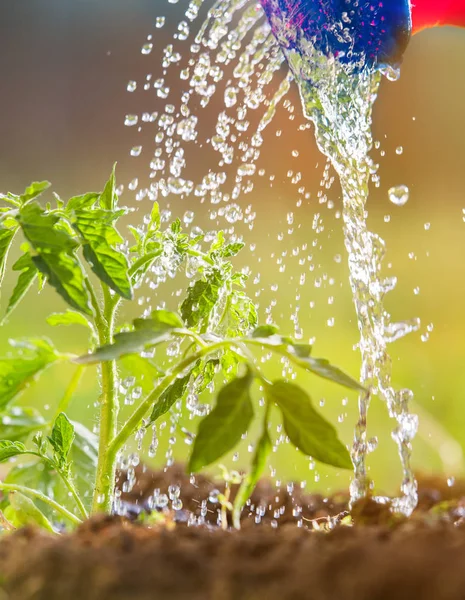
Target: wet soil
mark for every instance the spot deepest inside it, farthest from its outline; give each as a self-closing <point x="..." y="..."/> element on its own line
<point x="371" y="556"/>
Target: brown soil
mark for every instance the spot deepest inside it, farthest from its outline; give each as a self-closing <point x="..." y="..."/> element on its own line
<point x="379" y="558"/>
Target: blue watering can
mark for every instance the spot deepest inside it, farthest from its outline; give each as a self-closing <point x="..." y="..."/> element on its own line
<point x="359" y="32"/>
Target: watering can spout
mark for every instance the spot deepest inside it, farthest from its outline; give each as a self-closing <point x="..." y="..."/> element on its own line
<point x="358" y="33"/>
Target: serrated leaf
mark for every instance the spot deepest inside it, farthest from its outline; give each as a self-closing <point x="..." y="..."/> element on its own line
<point x="169" y="397"/>
<point x="70" y="317"/>
<point x="18" y="423"/>
<point x="56" y="258"/>
<point x="40" y="228"/>
<point x="242" y="315"/>
<point x="61" y="439"/>
<point x="264" y="331"/>
<point x="108" y="198"/>
<point x="305" y="427"/>
<point x="6" y="239"/>
<point x="82" y="202"/>
<point x="221" y="430"/>
<point x="41" y="476"/>
<point x="201" y="299"/>
<point x="17" y="373"/>
<point x="65" y="274"/>
<point x="34" y="191"/>
<point x="26" y="278"/>
<point x="109" y="264"/>
<point x="8" y="449"/>
<point x="232" y="249"/>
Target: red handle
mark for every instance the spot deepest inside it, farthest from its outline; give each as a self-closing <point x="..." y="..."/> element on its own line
<point x="430" y="13"/>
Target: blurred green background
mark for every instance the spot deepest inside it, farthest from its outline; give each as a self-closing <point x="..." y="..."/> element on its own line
<point x="64" y="69"/>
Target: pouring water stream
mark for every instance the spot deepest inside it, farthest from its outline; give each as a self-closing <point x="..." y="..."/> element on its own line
<point x="339" y="102"/>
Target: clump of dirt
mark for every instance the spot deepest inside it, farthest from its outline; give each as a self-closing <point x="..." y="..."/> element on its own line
<point x="370" y="555"/>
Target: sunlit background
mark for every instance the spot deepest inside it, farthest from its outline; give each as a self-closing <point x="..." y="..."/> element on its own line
<point x="64" y="69"/>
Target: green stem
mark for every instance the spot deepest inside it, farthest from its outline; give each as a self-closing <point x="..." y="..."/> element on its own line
<point x="9" y="487"/>
<point x="75" y="494"/>
<point x="106" y="467"/>
<point x="135" y="419"/>
<point x="258" y="465"/>
<point x="70" y="390"/>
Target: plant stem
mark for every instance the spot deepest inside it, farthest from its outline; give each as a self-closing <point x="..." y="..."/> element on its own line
<point x="135" y="419"/>
<point x="9" y="487"/>
<point x="72" y="387"/>
<point x="106" y="467"/>
<point x="75" y="494"/>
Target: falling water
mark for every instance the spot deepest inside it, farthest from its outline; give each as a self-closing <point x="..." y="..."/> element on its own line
<point x="339" y="99"/>
<point x="237" y="55"/>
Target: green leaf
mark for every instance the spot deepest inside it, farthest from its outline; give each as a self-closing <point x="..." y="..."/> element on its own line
<point x="41" y="476"/>
<point x="305" y="427"/>
<point x="128" y="342"/>
<point x="324" y="369"/>
<point x="17" y="372"/>
<point x="201" y="299"/>
<point x="108" y="198"/>
<point x="242" y="315"/>
<point x="109" y="264"/>
<point x="70" y="317"/>
<point x="140" y="266"/>
<point x="34" y="191"/>
<point x="160" y="320"/>
<point x="155" y="220"/>
<point x="23" y="511"/>
<point x="56" y="258"/>
<point x="83" y="458"/>
<point x="82" y="202"/>
<point x="205" y="374"/>
<point x="6" y="239"/>
<point x="221" y="430"/>
<point x="232" y="249"/>
<point x="40" y="228"/>
<point x="169" y="397"/>
<point x="260" y="458"/>
<point x="26" y="278"/>
<point x="62" y="438"/>
<point x="148" y="332"/>
<point x="18" y="423"/>
<point x="65" y="274"/>
<point x="143" y="369"/>
<point x="8" y="449"/>
<point x="265" y="331"/>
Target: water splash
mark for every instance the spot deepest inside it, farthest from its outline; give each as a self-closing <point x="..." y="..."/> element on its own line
<point x="235" y="59"/>
<point x="339" y="102"/>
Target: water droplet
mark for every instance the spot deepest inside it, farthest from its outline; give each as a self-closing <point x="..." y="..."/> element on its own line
<point x="136" y="150"/>
<point x="147" y="48"/>
<point x="399" y="195"/>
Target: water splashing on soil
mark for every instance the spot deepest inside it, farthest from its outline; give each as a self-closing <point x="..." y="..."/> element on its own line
<point x="236" y="72"/>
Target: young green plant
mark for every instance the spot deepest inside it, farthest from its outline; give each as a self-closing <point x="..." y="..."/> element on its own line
<point x="75" y="248"/>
